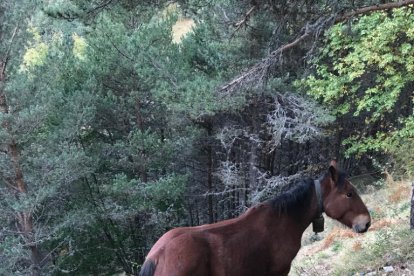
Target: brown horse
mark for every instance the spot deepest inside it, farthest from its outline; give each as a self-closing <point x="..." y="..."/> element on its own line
<point x="262" y="241"/>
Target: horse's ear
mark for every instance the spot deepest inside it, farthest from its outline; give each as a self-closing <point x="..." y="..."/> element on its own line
<point x="334" y="164"/>
<point x="333" y="172"/>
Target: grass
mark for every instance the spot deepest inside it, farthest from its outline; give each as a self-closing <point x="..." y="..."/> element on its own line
<point x="389" y="241"/>
<point x="390" y="246"/>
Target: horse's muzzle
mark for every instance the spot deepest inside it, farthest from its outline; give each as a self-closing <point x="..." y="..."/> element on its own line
<point x="361" y="223"/>
<point x="361" y="228"/>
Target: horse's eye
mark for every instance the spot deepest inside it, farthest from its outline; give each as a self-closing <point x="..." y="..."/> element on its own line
<point x="349" y="194"/>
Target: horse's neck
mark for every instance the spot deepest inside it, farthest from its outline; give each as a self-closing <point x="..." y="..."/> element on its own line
<point x="299" y="221"/>
<point x="311" y="212"/>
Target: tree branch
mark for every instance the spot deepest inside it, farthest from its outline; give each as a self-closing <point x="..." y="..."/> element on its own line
<point x="369" y="9"/>
<point x="102" y="5"/>
<point x="257" y="73"/>
<point x="7" y="56"/>
<point x="117" y="49"/>
<point x="243" y="22"/>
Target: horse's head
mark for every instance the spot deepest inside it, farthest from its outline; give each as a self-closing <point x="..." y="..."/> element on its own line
<point x="342" y="202"/>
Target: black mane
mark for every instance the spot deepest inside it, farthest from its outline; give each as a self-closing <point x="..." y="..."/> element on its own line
<point x="295" y="198"/>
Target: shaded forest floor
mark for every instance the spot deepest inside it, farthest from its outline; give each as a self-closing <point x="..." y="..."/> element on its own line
<point x="389" y="242"/>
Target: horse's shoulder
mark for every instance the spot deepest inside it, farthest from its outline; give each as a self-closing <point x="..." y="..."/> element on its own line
<point x="167" y="238"/>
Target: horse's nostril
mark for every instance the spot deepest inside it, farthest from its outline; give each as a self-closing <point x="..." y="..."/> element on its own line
<point x="368" y="225"/>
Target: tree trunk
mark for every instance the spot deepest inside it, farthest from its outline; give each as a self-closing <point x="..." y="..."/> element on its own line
<point x="18" y="186"/>
<point x="210" y="181"/>
<point x="253" y="158"/>
<point x="412" y="208"/>
<point x="140" y="124"/>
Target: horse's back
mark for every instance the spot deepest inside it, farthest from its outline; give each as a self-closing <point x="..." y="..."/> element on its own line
<point x="229" y="248"/>
<point x="204" y="251"/>
<point x="180" y="252"/>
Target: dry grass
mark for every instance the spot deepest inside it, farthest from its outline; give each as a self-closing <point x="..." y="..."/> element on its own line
<point x="399" y="192"/>
<point x="335" y="235"/>
<point x="357" y="246"/>
<point x="381" y="224"/>
<point x="378" y="211"/>
<point x="328" y="241"/>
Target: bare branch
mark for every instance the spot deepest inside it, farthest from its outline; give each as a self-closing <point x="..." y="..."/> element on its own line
<point x="228" y="136"/>
<point x="243" y="22"/>
<point x="269" y="186"/>
<point x="294" y="118"/>
<point x="257" y="74"/>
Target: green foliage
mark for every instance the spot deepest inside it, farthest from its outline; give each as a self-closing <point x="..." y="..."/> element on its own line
<point x="167" y="193"/>
<point x="109" y="117"/>
<point x="366" y="69"/>
<point x="13" y="249"/>
<point x="369" y="46"/>
<point x="36" y="52"/>
<point x="163" y="194"/>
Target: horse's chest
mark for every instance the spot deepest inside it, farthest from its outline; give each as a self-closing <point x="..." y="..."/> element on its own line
<point x="279" y="254"/>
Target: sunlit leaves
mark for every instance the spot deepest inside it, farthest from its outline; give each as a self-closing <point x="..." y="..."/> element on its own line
<point x="79" y="47"/>
<point x="36" y="52"/>
<point x="365" y="68"/>
<point x="374" y="45"/>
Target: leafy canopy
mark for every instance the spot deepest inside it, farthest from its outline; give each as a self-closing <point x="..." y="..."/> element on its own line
<point x="366" y="69"/>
